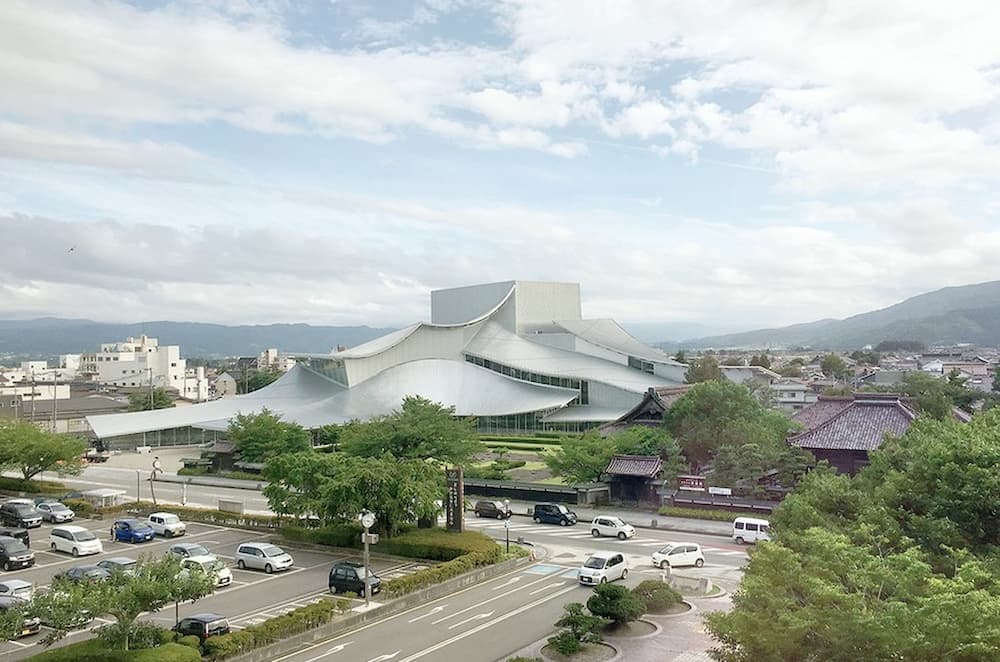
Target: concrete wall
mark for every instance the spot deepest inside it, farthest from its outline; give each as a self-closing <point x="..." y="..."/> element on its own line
<point x="540" y="303"/>
<point x="457" y="305"/>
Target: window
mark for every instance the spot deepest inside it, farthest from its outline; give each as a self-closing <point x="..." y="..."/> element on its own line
<point x="751" y="526"/>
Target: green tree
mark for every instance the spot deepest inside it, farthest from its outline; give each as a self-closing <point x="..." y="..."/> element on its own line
<point x="615" y="603"/>
<point x="680" y="357"/>
<point x="643" y="440"/>
<point x="30" y="450"/>
<point x="147" y="400"/>
<point x="702" y="370"/>
<point x="833" y="366"/>
<point x="792" y="369"/>
<point x="763" y="360"/>
<point x="579" y="629"/>
<point x="258" y="379"/>
<point x="581" y="459"/>
<point x="259" y="437"/>
<point x="296" y="480"/>
<point x="420" y="429"/>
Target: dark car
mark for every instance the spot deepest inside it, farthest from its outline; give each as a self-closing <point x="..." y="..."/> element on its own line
<point x="14" y="554"/>
<point x="494" y="509"/>
<point x="185" y="550"/>
<point x="18" y="513"/>
<point x="29" y="626"/>
<point x="202" y="626"/>
<point x="122" y="564"/>
<point x="14" y="532"/>
<point x="554" y="513"/>
<point x="350" y="576"/>
<point x="131" y="530"/>
<point x="85" y="573"/>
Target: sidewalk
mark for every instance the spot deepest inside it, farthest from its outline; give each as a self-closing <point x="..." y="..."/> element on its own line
<point x="641" y="519"/>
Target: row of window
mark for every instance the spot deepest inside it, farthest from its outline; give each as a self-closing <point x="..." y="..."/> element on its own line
<point x="639" y="364"/>
<point x="332" y="369"/>
<point x="525" y="375"/>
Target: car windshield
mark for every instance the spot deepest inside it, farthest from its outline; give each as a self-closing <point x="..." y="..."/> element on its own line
<point x="24" y="509"/>
<point x="272" y="551"/>
<point x="562" y="508"/>
<point x="216" y="565"/>
<point x="16" y="547"/>
<point x="171" y="519"/>
<point x="84" y="535"/>
<point x="616" y="522"/>
<point x="56" y="506"/>
<point x="194" y="550"/>
<point x="594" y="562"/>
<point x="667" y="549"/>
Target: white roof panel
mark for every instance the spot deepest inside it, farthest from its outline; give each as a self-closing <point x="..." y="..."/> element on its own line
<point x="608" y="334"/>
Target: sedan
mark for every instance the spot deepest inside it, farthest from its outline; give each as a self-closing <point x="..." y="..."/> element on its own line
<point x="55" y="512"/>
<point x="184" y="550"/>
<point x="122" y="564"/>
<point x="678" y="554"/>
<point x="85" y="573"/>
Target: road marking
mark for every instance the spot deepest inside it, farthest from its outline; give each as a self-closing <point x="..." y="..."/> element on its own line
<point x="335" y="649"/>
<point x="382" y="658"/>
<point x="512" y="580"/>
<point x="545" y="588"/>
<point x="484" y="602"/>
<point x="436" y="610"/>
<point x="470" y="619"/>
<point x="487" y="624"/>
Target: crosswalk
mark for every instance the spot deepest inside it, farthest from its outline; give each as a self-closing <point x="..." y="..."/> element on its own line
<point x="577" y="534"/>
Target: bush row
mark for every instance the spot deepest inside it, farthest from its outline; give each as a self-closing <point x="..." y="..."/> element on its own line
<point x="431" y="544"/>
<point x="713" y="514"/>
<point x="274" y="629"/>
<point x="439" y="573"/>
<point x="92" y="650"/>
<point x="46" y="487"/>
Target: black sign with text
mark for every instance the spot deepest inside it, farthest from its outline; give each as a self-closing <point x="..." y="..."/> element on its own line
<point x="455" y="501"/>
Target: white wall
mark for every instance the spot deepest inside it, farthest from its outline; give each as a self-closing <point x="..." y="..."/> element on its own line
<point x="541" y="303"/>
<point x="458" y="305"/>
<point x="605" y="395"/>
<point x="426" y="342"/>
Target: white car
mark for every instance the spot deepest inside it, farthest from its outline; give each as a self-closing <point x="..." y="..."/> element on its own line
<point x="611" y="526"/>
<point x="55" y="512"/>
<point x="211" y="566"/>
<point x="74" y="539"/>
<point x="263" y="556"/>
<point x="167" y="524"/>
<point x="603" y="567"/>
<point x="676" y="554"/>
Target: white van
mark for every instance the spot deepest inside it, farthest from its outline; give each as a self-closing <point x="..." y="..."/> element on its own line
<point x="750" y="529"/>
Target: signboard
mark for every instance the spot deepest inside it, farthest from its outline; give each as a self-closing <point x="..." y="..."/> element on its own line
<point x="454" y="504"/>
<point x="691" y="483"/>
<point x="721" y="491"/>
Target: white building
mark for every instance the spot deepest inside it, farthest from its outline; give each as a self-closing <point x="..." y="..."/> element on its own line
<point x="790" y="394"/>
<point x="271" y="359"/>
<point x="144" y="363"/>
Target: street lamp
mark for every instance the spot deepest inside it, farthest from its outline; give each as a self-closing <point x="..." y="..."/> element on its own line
<point x="367" y="520"/>
<point x="506" y="522"/>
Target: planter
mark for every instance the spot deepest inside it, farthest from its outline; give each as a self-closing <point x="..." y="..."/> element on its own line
<point x="601" y="652"/>
<point x="675" y="610"/>
<point x="639" y="629"/>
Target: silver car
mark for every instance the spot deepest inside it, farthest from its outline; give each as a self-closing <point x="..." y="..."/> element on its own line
<point x="262" y="556"/>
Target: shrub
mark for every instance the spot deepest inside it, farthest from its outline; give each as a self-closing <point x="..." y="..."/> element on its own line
<point x="141" y="635"/>
<point x="565" y="643"/>
<point x="92" y="650"/>
<point x="47" y="487"/>
<point x="713" y="514"/>
<point x="335" y="535"/>
<point x="192" y="471"/>
<point x="657" y="596"/>
<point x="439" y="573"/>
<point x="190" y="641"/>
<point x="271" y="630"/>
<point x="80" y="507"/>
<point x="615" y="603"/>
<point x="579" y="629"/>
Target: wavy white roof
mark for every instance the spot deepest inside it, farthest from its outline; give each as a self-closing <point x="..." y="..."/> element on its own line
<point x="608" y="334"/>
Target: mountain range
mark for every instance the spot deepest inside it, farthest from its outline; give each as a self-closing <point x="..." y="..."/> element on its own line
<point x="964" y="314"/>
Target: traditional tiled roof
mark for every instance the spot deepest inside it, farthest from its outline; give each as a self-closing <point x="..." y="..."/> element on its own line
<point x="650" y="410"/>
<point x="647" y="466"/>
<point x="861" y="424"/>
<point x="825" y="408"/>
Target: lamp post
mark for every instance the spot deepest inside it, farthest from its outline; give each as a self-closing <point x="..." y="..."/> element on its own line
<point x="367" y="520"/>
<point x="506" y="522"/>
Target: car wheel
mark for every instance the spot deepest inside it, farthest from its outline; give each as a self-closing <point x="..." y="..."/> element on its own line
<point x="604" y="580"/>
<point x="739" y="540"/>
<point x="536" y="520"/>
<point x="6" y="566"/>
<point x="333" y="590"/>
<point x="595" y="532"/>
<point x="52" y="546"/>
<point x="268" y="569"/>
<point x="664" y="565"/>
<point x="478" y="514"/>
<point x="624" y="573"/>
<point x="168" y="533"/>
<point x="499" y="515"/>
<point x="75" y="552"/>
<point x="699" y="563"/>
<point x="621" y="535"/>
<point x="241" y="565"/>
<point x="563" y="522"/>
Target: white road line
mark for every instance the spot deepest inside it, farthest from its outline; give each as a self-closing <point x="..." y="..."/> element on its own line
<point x="477" y="617"/>
<point x="497" y="597"/>
<point x="545" y="588"/>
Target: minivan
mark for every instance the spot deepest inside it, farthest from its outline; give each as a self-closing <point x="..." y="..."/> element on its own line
<point x="18" y="513"/>
<point x="494" y="509"/>
<point x="750" y="529"/>
<point x="553" y="513"/>
<point x="14" y="554"/>
<point x="263" y="556"/>
<point x="74" y="539"/>
<point x="202" y="626"/>
<point x="350" y="576"/>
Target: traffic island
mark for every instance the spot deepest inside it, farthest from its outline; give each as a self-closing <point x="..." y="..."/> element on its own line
<point x="597" y="652"/>
<point x="634" y="630"/>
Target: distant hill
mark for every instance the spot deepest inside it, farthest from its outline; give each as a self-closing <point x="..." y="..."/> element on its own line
<point x="969" y="314"/>
<point x="49" y="336"/>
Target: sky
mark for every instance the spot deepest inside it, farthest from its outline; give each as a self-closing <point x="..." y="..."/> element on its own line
<point x="726" y="164"/>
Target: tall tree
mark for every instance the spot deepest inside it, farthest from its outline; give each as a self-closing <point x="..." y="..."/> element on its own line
<point x="420" y="429"/>
<point x="643" y="440"/>
<point x="833" y="366"/>
<point x="763" y="360"/>
<point x="258" y="379"/>
<point x="262" y="436"/>
<point x="702" y="370"/>
<point x="30" y="450"/>
<point x="147" y="400"/>
<point x="581" y="459"/>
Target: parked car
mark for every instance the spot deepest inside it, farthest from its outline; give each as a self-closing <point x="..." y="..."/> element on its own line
<point x="603" y="567"/>
<point x="262" y="556"/>
<point x="166" y="524"/>
<point x="74" y="540"/>
<point x="84" y="573"/>
<point x="29" y="626"/>
<point x="20" y="513"/>
<point x="15" y="532"/>
<point x="55" y="512"/>
<point x="611" y="526"/>
<point x="350" y="576"/>
<point x="22" y="500"/>
<point x="18" y="588"/>
<point x="495" y="509"/>
<point x="553" y="513"/>
<point x="14" y="554"/>
<point x="209" y="565"/>
<point x="183" y="550"/>
<point x="202" y="626"/>
<point x="750" y="529"/>
<point x="677" y="554"/>
<point x="131" y="530"/>
<point x="122" y="564"/>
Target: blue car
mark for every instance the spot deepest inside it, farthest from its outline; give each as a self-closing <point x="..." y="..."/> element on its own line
<point x="131" y="530"/>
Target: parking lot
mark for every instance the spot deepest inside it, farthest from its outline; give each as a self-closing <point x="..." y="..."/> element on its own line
<point x="254" y="596"/>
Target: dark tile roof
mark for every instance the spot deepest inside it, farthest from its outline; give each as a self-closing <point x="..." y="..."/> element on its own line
<point x="860" y="425"/>
<point x="648" y="466"/>
<point x="649" y="411"/>
<point x="825" y="408"/>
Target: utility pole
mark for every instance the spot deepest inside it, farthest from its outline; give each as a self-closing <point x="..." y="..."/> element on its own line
<point x="150" y="387"/>
<point x="55" y="384"/>
<point x="32" y="396"/>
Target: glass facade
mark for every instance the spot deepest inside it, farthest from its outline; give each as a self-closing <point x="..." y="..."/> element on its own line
<point x="580" y="385"/>
<point x="639" y="364"/>
<point x="332" y="369"/>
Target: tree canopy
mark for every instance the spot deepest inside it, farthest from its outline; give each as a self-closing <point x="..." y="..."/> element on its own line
<point x="262" y="436"/>
<point x="583" y="459"/>
<point x="703" y="369"/>
<point x="147" y="400"/>
<point x="27" y="448"/>
<point x="258" y="379"/>
<point x="898" y="563"/>
<point x="833" y="366"/>
<point x="420" y="429"/>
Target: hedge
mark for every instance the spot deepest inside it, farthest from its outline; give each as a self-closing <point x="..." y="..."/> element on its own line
<point x="431" y="544"/>
<point x="92" y="650"/>
<point x="44" y="487"/>
<point x="273" y="629"/>
<point x="439" y="573"/>
<point x="713" y="514"/>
